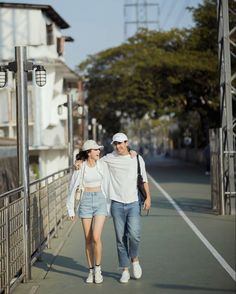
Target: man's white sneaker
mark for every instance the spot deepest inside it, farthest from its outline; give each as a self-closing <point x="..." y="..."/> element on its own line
<point x="98" y="275"/>
<point x="125" y="277"/>
<point x="89" y="279"/>
<point x="137" y="270"/>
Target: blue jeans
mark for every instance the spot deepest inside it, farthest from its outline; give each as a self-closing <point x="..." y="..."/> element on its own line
<point x="126" y="219"/>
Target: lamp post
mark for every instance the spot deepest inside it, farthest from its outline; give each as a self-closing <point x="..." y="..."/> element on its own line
<point x="70" y="130"/>
<point x="80" y="109"/>
<point x="20" y="67"/>
<point x="69" y="105"/>
<point x="100" y="133"/>
<point x="81" y="122"/>
<point x="94" y="128"/>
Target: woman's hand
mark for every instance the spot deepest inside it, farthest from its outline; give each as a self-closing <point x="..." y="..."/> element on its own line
<point x="132" y="153"/>
<point x="77" y="164"/>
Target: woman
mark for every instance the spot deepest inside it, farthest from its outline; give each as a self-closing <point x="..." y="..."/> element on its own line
<point x="93" y="207"/>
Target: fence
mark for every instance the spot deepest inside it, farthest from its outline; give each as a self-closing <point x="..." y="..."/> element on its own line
<point x="47" y="210"/>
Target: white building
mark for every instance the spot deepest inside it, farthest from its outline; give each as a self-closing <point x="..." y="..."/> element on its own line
<point x="39" y="27"/>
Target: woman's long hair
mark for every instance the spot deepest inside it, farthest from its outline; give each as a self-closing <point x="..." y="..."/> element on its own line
<point x="82" y="155"/>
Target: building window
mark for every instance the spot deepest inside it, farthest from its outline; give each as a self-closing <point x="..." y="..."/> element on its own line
<point x="60" y="46"/>
<point x="50" y="39"/>
<point x="30" y="76"/>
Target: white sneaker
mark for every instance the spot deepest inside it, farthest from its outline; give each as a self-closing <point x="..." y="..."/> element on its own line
<point x="125" y="277"/>
<point x="98" y="275"/>
<point x="137" y="270"/>
<point x="89" y="279"/>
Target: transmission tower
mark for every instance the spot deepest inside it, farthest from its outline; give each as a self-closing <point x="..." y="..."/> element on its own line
<point x="140" y="14"/>
<point x="227" y="46"/>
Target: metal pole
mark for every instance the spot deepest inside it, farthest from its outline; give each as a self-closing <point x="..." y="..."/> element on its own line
<point x="222" y="195"/>
<point x="228" y="152"/>
<point x="70" y="130"/>
<point x="23" y="150"/>
<point x="94" y="128"/>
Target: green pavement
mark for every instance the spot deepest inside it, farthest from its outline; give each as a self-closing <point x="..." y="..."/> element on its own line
<point x="173" y="258"/>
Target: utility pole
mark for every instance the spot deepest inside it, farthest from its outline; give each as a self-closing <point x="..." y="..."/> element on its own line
<point x="140" y="14"/>
<point x="227" y="94"/>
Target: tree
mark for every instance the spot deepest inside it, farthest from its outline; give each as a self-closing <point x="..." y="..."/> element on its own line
<point x="158" y="73"/>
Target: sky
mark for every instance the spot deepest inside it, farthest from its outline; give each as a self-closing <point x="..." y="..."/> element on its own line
<point x="96" y="25"/>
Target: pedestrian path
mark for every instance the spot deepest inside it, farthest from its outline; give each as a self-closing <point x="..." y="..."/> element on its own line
<point x="174" y="258"/>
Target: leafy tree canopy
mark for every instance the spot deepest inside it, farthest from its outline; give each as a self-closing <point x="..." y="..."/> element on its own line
<point x="157" y="73"/>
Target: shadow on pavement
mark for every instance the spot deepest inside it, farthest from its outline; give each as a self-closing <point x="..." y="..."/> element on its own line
<point x="191" y="288"/>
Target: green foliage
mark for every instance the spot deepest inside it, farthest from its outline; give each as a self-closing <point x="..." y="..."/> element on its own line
<point x="158" y="73"/>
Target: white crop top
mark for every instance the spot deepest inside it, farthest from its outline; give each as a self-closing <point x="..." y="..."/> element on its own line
<point x="92" y="177"/>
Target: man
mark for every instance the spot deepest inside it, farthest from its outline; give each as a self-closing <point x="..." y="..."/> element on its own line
<point x="125" y="208"/>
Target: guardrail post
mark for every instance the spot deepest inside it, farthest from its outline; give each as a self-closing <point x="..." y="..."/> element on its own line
<point x="7" y="244"/>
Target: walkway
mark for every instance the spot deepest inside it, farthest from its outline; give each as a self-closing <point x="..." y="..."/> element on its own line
<point x="185" y="247"/>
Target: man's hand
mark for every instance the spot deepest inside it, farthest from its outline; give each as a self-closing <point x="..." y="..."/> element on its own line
<point x="147" y="204"/>
<point x="72" y="218"/>
<point x="77" y="164"/>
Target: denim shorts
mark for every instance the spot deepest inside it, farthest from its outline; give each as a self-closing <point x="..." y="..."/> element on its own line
<point x="91" y="204"/>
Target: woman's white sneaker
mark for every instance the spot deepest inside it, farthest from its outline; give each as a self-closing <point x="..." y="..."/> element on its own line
<point x="89" y="279"/>
<point x="125" y="277"/>
<point x="98" y="275"/>
<point x="137" y="270"/>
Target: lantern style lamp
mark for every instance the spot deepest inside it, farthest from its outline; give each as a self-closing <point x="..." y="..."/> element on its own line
<point x="3" y="76"/>
<point x="40" y="75"/>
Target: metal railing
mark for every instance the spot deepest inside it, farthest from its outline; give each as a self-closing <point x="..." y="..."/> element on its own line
<point x="47" y="210"/>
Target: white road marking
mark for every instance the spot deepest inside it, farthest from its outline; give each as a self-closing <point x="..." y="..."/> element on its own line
<point x="213" y="251"/>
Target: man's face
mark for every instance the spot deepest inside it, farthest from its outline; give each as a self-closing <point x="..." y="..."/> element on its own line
<point x="121" y="147"/>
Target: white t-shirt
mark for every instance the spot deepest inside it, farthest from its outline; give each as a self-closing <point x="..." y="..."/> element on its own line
<point x="123" y="176"/>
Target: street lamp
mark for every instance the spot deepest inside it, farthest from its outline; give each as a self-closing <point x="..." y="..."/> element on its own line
<point x="80" y="110"/>
<point x="20" y="67"/>
<point x="71" y="107"/>
<point x="40" y="75"/>
<point x="3" y="76"/>
<point x="40" y="72"/>
<point x="60" y="108"/>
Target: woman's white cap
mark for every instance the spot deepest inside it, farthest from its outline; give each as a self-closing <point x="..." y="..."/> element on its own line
<point x="91" y="144"/>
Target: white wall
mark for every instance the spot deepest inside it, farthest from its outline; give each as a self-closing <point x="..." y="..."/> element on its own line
<point x="51" y="161"/>
<point x="48" y="130"/>
<point x="25" y="27"/>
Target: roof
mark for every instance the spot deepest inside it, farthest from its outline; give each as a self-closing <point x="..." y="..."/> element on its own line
<point x="47" y="9"/>
<point x="68" y="39"/>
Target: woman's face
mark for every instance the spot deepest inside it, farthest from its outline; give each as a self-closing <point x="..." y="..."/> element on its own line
<point x="94" y="154"/>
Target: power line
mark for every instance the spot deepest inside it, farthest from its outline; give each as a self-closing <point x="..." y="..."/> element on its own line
<point x="182" y="13"/>
<point x="141" y="14"/>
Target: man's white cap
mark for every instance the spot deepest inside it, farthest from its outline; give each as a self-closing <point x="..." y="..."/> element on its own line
<point x="91" y="144"/>
<point x="119" y="137"/>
